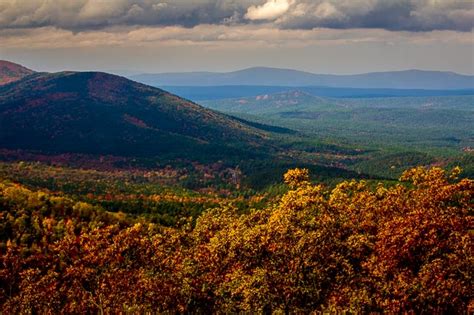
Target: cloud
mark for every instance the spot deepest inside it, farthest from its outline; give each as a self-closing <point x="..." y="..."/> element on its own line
<point x="271" y="10"/>
<point x="81" y="15"/>
<point x="393" y="15"/>
<point x="327" y="10"/>
<point x="237" y="36"/>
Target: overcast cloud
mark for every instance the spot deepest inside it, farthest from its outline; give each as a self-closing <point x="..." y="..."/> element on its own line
<point x="329" y="36"/>
<point x="80" y="15"/>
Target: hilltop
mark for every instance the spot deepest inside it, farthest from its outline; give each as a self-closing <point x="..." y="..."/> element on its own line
<point x="10" y="72"/>
<point x="292" y="100"/>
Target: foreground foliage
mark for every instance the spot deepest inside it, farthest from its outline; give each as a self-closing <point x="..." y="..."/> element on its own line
<point x="404" y="248"/>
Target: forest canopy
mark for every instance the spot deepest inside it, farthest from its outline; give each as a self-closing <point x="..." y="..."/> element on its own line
<point x="358" y="248"/>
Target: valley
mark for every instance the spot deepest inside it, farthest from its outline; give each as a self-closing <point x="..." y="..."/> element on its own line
<point x="438" y="128"/>
<point x="69" y="119"/>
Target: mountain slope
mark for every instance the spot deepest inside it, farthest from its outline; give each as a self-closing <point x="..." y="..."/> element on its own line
<point x="293" y="100"/>
<point x="409" y="79"/>
<point x="10" y="72"/>
<point x="99" y="113"/>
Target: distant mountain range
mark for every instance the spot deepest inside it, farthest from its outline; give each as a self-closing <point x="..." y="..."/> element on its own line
<point x="99" y="113"/>
<point x="261" y="76"/>
<point x="206" y="93"/>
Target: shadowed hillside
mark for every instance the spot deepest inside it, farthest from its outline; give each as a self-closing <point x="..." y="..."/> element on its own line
<point x="99" y="113"/>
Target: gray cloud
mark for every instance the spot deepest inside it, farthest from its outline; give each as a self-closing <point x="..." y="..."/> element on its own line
<point x="82" y="15"/>
<point x="395" y="15"/>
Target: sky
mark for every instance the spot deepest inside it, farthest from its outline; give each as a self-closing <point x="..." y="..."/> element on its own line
<point x="320" y="36"/>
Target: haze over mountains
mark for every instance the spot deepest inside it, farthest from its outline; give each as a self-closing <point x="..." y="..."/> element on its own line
<point x="262" y="76"/>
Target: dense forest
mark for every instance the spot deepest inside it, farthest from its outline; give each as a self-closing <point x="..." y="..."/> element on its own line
<point x="353" y="247"/>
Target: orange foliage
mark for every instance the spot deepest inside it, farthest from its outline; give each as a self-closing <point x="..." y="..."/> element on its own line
<point x="406" y="248"/>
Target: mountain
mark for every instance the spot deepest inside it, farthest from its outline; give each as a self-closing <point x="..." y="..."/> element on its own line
<point x="293" y="100"/>
<point x="10" y="72"/>
<point x="99" y="113"/>
<point x="206" y="93"/>
<point x="409" y="79"/>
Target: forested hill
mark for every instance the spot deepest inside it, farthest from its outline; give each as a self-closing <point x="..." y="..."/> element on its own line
<point x="99" y="113"/>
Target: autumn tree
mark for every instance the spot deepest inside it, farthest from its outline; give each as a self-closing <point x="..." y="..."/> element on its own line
<point x="404" y="248"/>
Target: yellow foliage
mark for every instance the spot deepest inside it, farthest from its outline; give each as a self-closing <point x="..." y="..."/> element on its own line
<point x="297" y="177"/>
<point x="406" y="248"/>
